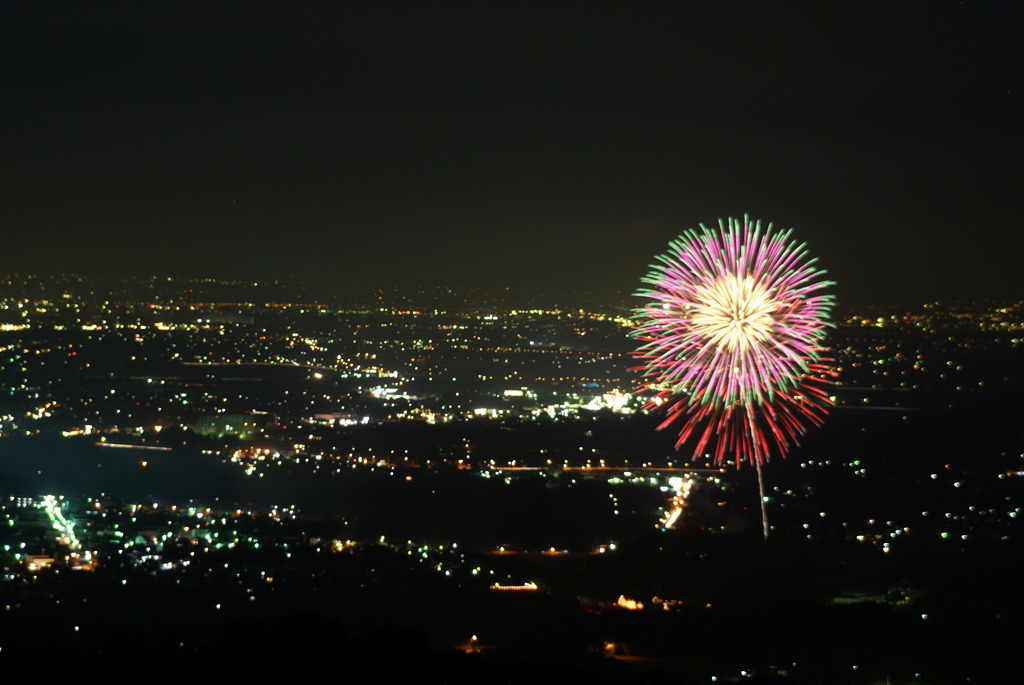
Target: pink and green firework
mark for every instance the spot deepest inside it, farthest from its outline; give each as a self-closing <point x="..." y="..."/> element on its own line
<point x="732" y="336"/>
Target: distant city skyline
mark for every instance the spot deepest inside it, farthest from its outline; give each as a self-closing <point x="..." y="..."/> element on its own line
<point x="556" y="148"/>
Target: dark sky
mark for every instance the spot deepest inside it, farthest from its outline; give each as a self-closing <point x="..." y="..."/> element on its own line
<point x="505" y="143"/>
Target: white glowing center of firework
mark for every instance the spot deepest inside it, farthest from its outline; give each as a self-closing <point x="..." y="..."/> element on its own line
<point x="734" y="312"/>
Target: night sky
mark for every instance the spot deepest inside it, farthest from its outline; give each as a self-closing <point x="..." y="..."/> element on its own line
<point x="555" y="146"/>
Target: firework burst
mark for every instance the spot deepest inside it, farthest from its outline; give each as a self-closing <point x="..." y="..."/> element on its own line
<point x="731" y="339"/>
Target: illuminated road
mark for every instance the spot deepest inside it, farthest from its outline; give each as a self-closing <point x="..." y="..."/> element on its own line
<point x="65" y="528"/>
<point x="680" y="486"/>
